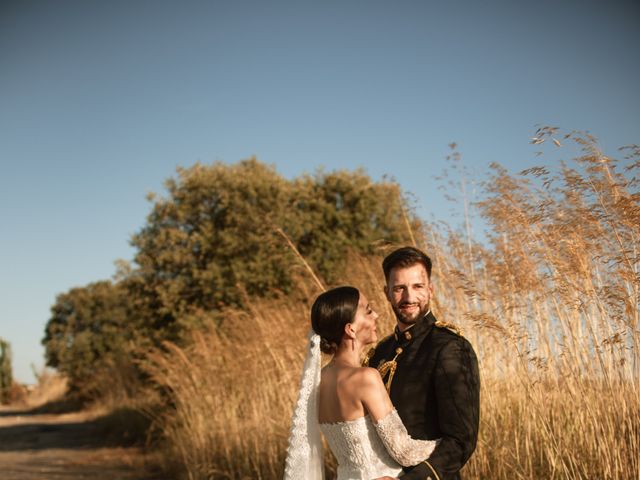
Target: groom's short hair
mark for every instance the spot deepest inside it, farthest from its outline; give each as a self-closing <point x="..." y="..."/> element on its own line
<point x="405" y="257"/>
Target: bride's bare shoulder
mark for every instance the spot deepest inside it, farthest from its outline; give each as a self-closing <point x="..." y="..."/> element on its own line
<point x="351" y="377"/>
<point x="368" y="376"/>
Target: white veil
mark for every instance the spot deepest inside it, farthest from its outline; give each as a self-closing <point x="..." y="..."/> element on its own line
<point x="304" y="453"/>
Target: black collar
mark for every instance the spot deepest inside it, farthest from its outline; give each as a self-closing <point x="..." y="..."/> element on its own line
<point x="417" y="330"/>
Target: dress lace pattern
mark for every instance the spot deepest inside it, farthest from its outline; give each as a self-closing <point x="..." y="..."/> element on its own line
<point x="404" y="449"/>
<point x="366" y="450"/>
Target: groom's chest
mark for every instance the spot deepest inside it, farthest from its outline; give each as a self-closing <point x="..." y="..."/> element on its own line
<point x="415" y="365"/>
<point x="415" y="370"/>
<point x="412" y="388"/>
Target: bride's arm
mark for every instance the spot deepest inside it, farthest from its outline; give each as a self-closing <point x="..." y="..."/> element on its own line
<point x="404" y="449"/>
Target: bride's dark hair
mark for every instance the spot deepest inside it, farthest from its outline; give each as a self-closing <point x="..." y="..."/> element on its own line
<point x="331" y="311"/>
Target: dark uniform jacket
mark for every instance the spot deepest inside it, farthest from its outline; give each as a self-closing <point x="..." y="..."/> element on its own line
<point x="436" y="391"/>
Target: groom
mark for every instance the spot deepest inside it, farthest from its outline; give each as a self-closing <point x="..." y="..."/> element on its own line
<point x="430" y="370"/>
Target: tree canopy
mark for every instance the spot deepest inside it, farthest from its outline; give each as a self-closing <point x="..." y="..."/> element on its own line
<point x="211" y="242"/>
<point x="88" y="326"/>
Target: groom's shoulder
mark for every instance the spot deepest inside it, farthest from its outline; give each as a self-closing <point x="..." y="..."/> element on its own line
<point x="448" y="334"/>
<point x="449" y="328"/>
<point x="451" y="348"/>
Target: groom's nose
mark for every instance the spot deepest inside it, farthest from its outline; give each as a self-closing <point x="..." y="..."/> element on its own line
<point x="408" y="295"/>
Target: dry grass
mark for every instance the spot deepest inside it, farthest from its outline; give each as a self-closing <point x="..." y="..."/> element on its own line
<point x="550" y="304"/>
<point x="233" y="390"/>
<point x="50" y="389"/>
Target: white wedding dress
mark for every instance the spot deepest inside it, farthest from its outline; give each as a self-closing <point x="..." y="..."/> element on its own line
<point x="366" y="450"/>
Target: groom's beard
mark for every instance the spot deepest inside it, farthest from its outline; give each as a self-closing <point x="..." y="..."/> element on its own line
<point x="407" y="318"/>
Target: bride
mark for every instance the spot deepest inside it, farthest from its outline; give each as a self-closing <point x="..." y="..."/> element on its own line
<point x="347" y="402"/>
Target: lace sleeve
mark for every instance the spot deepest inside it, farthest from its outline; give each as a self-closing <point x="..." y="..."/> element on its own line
<point x="404" y="449"/>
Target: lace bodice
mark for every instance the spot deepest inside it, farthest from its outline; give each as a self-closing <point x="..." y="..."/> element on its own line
<point x="358" y="450"/>
<point x="363" y="449"/>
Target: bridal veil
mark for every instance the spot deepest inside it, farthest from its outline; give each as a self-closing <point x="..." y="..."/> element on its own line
<point x="304" y="453"/>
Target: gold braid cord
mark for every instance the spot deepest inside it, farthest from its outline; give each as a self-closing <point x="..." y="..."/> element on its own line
<point x="367" y="357"/>
<point x="372" y="351"/>
<point x="389" y="368"/>
<point x="432" y="469"/>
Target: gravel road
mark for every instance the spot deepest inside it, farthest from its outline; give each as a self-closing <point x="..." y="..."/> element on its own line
<point x="64" y="446"/>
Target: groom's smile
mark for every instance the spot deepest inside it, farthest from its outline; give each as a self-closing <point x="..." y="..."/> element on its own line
<point x="408" y="307"/>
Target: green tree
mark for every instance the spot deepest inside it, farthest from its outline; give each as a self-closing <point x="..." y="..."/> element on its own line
<point x="209" y="239"/>
<point x="6" y="373"/>
<point x="342" y="210"/>
<point x="212" y="241"/>
<point x="88" y="326"/>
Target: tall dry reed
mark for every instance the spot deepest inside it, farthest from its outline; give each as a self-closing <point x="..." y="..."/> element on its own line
<point x="232" y="392"/>
<point x="550" y="303"/>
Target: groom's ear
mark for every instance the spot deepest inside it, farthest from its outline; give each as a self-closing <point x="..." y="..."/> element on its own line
<point x="386" y="292"/>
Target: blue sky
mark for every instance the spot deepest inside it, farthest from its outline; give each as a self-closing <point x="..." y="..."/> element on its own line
<point x="101" y="100"/>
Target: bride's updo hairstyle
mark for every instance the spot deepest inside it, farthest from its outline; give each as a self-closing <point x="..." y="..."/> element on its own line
<point x="331" y="311"/>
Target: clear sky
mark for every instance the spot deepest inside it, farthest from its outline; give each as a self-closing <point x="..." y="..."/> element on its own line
<point x="101" y="100"/>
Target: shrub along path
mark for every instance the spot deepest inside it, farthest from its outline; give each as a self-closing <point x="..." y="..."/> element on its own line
<point x="39" y="446"/>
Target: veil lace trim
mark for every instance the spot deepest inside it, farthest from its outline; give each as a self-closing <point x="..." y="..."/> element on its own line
<point x="304" y="453"/>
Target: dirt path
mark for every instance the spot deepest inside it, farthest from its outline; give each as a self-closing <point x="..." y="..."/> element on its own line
<point x="63" y="446"/>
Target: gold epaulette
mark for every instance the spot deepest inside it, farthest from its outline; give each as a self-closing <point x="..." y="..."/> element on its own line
<point x="372" y="350"/>
<point x="449" y="326"/>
